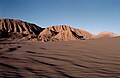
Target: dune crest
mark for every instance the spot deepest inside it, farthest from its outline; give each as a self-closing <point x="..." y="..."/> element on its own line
<point x="106" y="34"/>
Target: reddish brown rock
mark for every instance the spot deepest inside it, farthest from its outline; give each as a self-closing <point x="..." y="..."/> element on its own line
<point x="63" y="33"/>
<point x="17" y="29"/>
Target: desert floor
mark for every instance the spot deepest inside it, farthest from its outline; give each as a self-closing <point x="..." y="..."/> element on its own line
<point x="98" y="58"/>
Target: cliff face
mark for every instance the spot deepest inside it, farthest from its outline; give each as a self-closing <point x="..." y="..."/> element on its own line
<point x="10" y="28"/>
<point x="63" y="33"/>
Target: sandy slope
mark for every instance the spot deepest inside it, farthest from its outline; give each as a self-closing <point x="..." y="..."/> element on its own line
<point x="106" y="35"/>
<point x="98" y="58"/>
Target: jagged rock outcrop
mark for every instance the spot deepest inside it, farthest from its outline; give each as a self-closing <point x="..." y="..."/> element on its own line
<point x="106" y="35"/>
<point x="67" y="35"/>
<point x="63" y="33"/>
<point x="23" y="31"/>
<point x="18" y="30"/>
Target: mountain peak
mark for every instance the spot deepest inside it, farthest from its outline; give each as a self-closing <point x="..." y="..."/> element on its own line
<point x="23" y="31"/>
<point x="18" y="29"/>
<point x="64" y="33"/>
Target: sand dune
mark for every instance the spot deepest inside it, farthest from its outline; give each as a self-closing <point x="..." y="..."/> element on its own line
<point x="94" y="58"/>
<point x="97" y="58"/>
<point x="106" y="35"/>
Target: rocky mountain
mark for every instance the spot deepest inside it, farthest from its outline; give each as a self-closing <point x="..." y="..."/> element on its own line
<point x="106" y="35"/>
<point x="63" y="33"/>
<point x="18" y="30"/>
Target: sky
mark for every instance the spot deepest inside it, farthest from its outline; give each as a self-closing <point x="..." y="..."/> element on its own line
<point x="91" y="15"/>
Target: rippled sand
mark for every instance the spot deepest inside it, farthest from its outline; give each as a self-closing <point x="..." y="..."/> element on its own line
<point x="73" y="59"/>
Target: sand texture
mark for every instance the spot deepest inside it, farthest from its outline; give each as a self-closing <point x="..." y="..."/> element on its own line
<point x="98" y="58"/>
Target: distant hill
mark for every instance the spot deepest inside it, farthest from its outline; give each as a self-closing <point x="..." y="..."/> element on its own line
<point x="106" y="35"/>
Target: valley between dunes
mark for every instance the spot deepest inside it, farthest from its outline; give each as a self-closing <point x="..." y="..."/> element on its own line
<point x="97" y="58"/>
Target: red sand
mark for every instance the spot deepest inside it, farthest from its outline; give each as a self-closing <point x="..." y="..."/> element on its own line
<point x="98" y="58"/>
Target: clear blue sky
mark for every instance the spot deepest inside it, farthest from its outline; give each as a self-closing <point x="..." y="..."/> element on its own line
<point x="91" y="15"/>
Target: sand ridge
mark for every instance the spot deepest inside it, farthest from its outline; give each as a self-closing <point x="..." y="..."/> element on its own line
<point x="97" y="58"/>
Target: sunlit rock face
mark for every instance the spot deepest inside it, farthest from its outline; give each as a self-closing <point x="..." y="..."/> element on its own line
<point x="63" y="33"/>
<point x="17" y="29"/>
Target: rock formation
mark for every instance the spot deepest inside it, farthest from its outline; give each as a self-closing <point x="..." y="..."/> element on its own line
<point x="63" y="33"/>
<point x="17" y="29"/>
